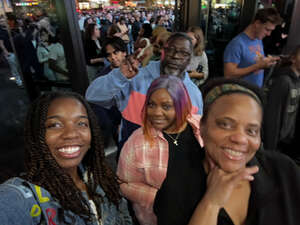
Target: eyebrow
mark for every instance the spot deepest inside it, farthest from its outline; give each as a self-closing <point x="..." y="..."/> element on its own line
<point x="232" y="120"/>
<point x="57" y="117"/>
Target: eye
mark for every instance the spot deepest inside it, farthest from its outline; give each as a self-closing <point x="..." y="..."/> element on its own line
<point x="224" y="124"/>
<point x="150" y="105"/>
<point x="53" y="125"/>
<point x="253" y="132"/>
<point x="83" y="124"/>
<point x="167" y="106"/>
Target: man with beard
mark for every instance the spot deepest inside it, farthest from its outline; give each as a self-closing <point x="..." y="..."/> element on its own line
<point x="126" y="87"/>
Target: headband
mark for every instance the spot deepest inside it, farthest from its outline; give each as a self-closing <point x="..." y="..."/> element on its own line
<point x="223" y="89"/>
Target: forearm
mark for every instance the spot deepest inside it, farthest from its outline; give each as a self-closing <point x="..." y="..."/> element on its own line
<point x="105" y="89"/>
<point x="139" y="193"/>
<point x="96" y="60"/>
<point x="196" y="75"/>
<point x="205" y="214"/>
<point x="56" y="68"/>
<point x="240" y="72"/>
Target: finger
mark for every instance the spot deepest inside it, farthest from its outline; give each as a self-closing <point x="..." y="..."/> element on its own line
<point x="244" y="174"/>
<point x="136" y="53"/>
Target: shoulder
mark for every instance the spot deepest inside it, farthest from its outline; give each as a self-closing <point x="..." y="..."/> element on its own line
<point x="282" y="76"/>
<point x="136" y="139"/>
<point x="192" y="88"/>
<point x="278" y="164"/>
<point x="154" y="68"/>
<point x="194" y="119"/>
<point x="16" y="202"/>
<point x="237" y="40"/>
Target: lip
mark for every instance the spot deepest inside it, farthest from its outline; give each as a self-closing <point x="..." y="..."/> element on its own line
<point x="233" y="154"/>
<point x="173" y="66"/>
<point x="69" y="151"/>
<point x="160" y="121"/>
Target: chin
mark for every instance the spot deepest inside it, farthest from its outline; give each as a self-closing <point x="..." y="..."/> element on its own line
<point x="230" y="168"/>
<point x="172" y="72"/>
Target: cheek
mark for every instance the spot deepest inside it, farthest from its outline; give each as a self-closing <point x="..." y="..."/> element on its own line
<point x="87" y="136"/>
<point x="255" y="144"/>
<point x="50" y="138"/>
<point x="172" y="115"/>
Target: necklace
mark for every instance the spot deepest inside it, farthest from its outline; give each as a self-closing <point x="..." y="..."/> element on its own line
<point x="175" y="140"/>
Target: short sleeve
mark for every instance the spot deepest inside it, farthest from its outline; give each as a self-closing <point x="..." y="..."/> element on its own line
<point x="232" y="53"/>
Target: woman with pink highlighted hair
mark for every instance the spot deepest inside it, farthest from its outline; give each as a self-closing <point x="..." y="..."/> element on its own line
<point x="167" y="145"/>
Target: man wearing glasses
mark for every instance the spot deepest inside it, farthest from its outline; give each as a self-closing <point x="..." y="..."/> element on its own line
<point x="244" y="55"/>
<point x="127" y="86"/>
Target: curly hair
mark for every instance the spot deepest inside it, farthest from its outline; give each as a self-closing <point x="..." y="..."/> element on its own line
<point x="42" y="169"/>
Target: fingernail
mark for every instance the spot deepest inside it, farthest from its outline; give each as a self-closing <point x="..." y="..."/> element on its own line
<point x="250" y="178"/>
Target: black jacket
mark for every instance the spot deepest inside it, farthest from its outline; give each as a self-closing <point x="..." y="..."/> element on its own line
<point x="274" y="198"/>
<point x="281" y="108"/>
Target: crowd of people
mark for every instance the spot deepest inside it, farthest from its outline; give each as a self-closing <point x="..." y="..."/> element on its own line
<point x="192" y="150"/>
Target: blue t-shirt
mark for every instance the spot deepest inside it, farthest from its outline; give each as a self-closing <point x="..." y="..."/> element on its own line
<point x="245" y="52"/>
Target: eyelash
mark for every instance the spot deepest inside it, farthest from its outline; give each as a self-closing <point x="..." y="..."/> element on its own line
<point x="166" y="107"/>
<point x="252" y="132"/>
<point x="83" y="123"/>
<point x="53" y="125"/>
<point x="223" y="124"/>
<point x="58" y="125"/>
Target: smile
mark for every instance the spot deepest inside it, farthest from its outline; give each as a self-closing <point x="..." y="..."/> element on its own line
<point x="233" y="154"/>
<point x="69" y="150"/>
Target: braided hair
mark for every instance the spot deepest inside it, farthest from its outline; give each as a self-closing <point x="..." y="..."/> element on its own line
<point x="42" y="169"/>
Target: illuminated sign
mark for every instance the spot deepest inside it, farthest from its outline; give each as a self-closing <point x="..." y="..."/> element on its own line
<point x="27" y="3"/>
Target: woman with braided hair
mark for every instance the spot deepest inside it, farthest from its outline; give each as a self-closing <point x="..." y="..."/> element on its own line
<point x="67" y="180"/>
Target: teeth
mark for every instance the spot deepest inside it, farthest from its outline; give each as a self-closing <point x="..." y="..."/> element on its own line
<point x="69" y="150"/>
<point x="232" y="152"/>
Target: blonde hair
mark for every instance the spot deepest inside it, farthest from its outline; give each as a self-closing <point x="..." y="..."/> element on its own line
<point x="200" y="45"/>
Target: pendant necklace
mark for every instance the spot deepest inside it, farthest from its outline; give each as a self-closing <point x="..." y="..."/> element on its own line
<point x="175" y="140"/>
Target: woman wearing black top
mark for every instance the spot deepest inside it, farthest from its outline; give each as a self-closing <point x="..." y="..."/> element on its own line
<point x="237" y="184"/>
<point x="93" y="55"/>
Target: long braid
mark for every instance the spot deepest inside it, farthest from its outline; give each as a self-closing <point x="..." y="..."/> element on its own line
<point x="43" y="170"/>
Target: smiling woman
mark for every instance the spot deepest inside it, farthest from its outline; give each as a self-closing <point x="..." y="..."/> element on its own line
<point x="67" y="180"/>
<point x="239" y="182"/>
<point x="168" y="144"/>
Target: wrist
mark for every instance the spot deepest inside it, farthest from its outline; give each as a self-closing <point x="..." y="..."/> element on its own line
<point x="210" y="205"/>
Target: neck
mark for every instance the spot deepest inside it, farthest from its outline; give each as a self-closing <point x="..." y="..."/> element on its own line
<point x="94" y="38"/>
<point x="73" y="172"/>
<point x="250" y="32"/>
<point x="175" y="131"/>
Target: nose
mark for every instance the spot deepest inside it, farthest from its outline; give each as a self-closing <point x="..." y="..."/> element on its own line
<point x="113" y="56"/>
<point x="239" y="137"/>
<point x="157" y="111"/>
<point x="70" y="132"/>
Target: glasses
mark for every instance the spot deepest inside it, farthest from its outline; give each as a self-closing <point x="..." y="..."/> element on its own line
<point x="172" y="51"/>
